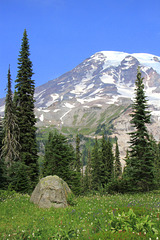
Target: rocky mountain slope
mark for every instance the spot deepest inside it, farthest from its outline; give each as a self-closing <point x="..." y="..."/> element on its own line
<point x="97" y="95"/>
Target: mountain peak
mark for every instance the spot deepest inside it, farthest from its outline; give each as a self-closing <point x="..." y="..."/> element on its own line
<point x="105" y="78"/>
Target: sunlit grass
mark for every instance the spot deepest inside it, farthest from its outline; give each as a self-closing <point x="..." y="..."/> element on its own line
<point x="89" y="219"/>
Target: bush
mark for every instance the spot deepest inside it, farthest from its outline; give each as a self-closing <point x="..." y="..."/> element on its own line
<point x="6" y="194"/>
<point x="118" y="186"/>
<point x="130" y="222"/>
<point x="71" y="200"/>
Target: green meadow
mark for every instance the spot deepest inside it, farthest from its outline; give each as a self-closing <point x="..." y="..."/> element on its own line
<point x="89" y="217"/>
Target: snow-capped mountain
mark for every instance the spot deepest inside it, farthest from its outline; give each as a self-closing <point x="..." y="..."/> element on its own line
<point x="104" y="74"/>
<point x="106" y="78"/>
<point x="98" y="92"/>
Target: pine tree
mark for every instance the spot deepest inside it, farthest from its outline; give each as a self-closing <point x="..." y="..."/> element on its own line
<point x="1" y="134"/>
<point x="140" y="164"/>
<point x="3" y="179"/>
<point x="24" y="102"/>
<point x="57" y="156"/>
<point x="157" y="165"/>
<point x="104" y="163"/>
<point x="48" y="156"/>
<point x="78" y="165"/>
<point x="87" y="176"/>
<point x="117" y="165"/>
<point x="110" y="160"/>
<point x="11" y="146"/>
<point x="156" y="155"/>
<point x="96" y="167"/>
<point x="78" y="154"/>
<point x="59" y="160"/>
<point x="127" y="164"/>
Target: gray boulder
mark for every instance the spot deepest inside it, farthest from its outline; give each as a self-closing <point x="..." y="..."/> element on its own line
<point x="51" y="191"/>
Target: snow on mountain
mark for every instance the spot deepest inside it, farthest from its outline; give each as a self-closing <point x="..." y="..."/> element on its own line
<point x="99" y="93"/>
<point x="105" y="79"/>
<point x="148" y="60"/>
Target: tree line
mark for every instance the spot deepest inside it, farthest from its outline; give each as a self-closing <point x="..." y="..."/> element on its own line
<point x="19" y="168"/>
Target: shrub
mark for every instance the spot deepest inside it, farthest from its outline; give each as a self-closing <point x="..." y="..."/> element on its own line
<point x="71" y="199"/>
<point x="118" y="186"/>
<point x="131" y="223"/>
<point x="6" y="194"/>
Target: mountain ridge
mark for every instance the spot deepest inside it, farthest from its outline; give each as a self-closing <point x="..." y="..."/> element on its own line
<point x="99" y="92"/>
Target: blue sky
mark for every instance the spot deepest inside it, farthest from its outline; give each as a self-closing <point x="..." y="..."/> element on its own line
<point x="63" y="33"/>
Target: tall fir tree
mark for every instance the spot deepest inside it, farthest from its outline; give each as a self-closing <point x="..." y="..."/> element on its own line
<point x="87" y="176"/>
<point x="59" y="160"/>
<point x="139" y="168"/>
<point x="24" y="102"/>
<point x="157" y="165"/>
<point x="2" y="165"/>
<point x="107" y="160"/>
<point x="110" y="160"/>
<point x="11" y="145"/>
<point x="127" y="164"/>
<point x="78" y="154"/>
<point x="104" y="162"/>
<point x="96" y="167"/>
<point x="117" y="162"/>
<point x="1" y="134"/>
<point x="78" y="165"/>
<point x="156" y="155"/>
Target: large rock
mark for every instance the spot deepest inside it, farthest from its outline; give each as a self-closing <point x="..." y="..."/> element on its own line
<point x="51" y="191"/>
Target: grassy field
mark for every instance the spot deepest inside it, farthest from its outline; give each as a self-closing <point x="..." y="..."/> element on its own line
<point x="93" y="217"/>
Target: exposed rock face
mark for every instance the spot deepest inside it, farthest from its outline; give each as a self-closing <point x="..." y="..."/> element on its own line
<point x="99" y="92"/>
<point x="51" y="191"/>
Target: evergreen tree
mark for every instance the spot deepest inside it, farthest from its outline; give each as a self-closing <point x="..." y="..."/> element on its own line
<point x="24" y="102"/>
<point x="1" y="134"/>
<point x="79" y="166"/>
<point x="140" y="165"/>
<point x="104" y="163"/>
<point x="87" y="175"/>
<point x="127" y="165"/>
<point x="59" y="160"/>
<point x="11" y="145"/>
<point x="96" y="167"/>
<point x="107" y="160"/>
<point x="48" y="156"/>
<point x="117" y="165"/>
<point x="157" y="165"/>
<point x="18" y="180"/>
<point x="2" y="165"/>
<point x="110" y="160"/>
<point x="78" y="154"/>
<point x="156" y="155"/>
<point x="58" y="156"/>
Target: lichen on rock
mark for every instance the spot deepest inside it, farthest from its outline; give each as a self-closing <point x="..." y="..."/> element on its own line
<point x="51" y="191"/>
